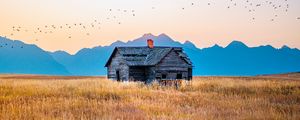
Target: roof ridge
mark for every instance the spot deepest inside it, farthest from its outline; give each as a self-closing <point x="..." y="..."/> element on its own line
<point x="145" y="47"/>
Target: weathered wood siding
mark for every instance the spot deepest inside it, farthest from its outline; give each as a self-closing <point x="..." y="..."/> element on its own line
<point x="172" y="65"/>
<point x="150" y="74"/>
<point x="118" y="64"/>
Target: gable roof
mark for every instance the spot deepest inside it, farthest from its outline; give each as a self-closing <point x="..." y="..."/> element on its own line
<point x="145" y="56"/>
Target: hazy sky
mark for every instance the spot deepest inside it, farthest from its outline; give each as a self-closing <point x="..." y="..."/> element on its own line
<point x="204" y="22"/>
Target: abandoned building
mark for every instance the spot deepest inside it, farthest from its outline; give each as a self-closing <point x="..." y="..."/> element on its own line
<point x="148" y="63"/>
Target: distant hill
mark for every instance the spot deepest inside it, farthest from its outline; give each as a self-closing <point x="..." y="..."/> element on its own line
<point x="292" y="76"/>
<point x="236" y="59"/>
<point x="86" y="62"/>
<point x="20" y="58"/>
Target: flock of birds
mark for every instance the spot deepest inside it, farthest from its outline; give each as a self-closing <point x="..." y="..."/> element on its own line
<point x="252" y="6"/>
<point x="249" y="5"/>
<point x="50" y="29"/>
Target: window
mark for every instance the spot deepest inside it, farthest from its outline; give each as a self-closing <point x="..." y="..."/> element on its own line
<point x="179" y="76"/>
<point x="163" y="76"/>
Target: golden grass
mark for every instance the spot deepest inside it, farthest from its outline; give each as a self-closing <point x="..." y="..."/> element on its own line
<point x="98" y="98"/>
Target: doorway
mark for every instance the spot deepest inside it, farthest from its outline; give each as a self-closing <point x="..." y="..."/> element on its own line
<point x="190" y="74"/>
<point x="118" y="75"/>
<point x="179" y="76"/>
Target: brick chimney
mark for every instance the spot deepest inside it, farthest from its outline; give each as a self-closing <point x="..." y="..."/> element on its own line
<point x="150" y="43"/>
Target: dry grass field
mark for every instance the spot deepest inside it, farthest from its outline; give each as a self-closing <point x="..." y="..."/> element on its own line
<point x="46" y="97"/>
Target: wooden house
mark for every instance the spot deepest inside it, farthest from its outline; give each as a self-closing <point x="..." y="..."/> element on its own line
<point x="148" y="63"/>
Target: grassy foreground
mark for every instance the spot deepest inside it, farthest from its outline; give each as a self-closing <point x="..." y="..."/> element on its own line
<point x="97" y="98"/>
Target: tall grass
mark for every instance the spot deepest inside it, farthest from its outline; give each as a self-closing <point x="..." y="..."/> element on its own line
<point x="98" y="98"/>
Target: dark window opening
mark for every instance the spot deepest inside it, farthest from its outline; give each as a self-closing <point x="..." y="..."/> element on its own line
<point x="134" y="55"/>
<point x="179" y="76"/>
<point x="163" y="76"/>
<point x="190" y="74"/>
<point x="118" y="75"/>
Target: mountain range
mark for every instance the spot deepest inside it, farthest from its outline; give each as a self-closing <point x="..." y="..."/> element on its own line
<point x="236" y="59"/>
<point x="17" y="57"/>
